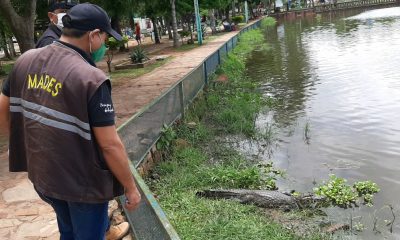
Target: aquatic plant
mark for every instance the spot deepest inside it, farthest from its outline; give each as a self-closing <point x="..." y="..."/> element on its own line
<point x="307" y="135"/>
<point x="339" y="193"/>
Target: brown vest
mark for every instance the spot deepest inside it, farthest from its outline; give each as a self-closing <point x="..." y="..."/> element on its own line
<point x="50" y="135"/>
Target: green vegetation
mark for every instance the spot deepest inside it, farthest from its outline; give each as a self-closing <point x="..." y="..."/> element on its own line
<point x="200" y="160"/>
<point x="118" y="77"/>
<point x="237" y="19"/>
<point x="187" y="47"/>
<point x="168" y="135"/>
<point x="339" y="193"/>
<point x="5" y="69"/>
<point x="113" y="45"/>
<point x="236" y="103"/>
<point x="268" y="22"/>
<point x="189" y="170"/>
<point x="237" y="174"/>
<point x="138" y="55"/>
<point x="307" y="135"/>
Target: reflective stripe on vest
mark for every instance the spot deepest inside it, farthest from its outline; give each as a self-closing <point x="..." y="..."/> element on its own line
<point x="22" y="105"/>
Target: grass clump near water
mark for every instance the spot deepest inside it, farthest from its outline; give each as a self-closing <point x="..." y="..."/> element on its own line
<point x="268" y="22"/>
<point x="234" y="104"/>
<point x="200" y="160"/>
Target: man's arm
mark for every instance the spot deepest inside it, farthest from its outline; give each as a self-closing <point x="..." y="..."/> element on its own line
<point x="114" y="153"/>
<point x="4" y="115"/>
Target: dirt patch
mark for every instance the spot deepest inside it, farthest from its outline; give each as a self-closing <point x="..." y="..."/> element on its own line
<point x="306" y="223"/>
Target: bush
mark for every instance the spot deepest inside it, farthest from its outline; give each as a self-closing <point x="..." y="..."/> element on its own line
<point x="138" y="55"/>
<point x="237" y="19"/>
<point x="184" y="33"/>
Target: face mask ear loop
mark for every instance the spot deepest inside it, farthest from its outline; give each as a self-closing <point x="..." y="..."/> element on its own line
<point x="90" y="44"/>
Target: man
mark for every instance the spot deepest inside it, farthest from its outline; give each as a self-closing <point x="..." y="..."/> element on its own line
<point x="57" y="107"/>
<point x="57" y="9"/>
<point x="138" y="34"/>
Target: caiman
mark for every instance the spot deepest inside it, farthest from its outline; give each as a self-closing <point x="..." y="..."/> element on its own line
<point x="264" y="198"/>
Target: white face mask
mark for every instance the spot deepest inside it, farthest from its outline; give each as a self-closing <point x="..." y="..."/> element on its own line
<point x="60" y="24"/>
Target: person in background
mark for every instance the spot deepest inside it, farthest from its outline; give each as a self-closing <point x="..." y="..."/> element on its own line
<point x="57" y="109"/>
<point x="57" y="9"/>
<point x="138" y="33"/>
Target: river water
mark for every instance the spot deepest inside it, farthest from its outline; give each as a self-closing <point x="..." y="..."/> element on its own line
<point x="336" y="80"/>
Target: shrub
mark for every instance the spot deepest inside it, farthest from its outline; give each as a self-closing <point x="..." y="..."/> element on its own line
<point x="138" y="55"/>
<point x="237" y="19"/>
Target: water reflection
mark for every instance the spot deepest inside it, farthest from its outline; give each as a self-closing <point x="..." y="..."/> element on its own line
<point x="338" y="77"/>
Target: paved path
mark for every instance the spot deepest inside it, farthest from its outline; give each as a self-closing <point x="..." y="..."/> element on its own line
<point x="22" y="214"/>
<point x="138" y="92"/>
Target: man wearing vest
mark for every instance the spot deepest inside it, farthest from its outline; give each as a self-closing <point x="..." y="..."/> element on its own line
<point x="57" y="108"/>
<point x="57" y="9"/>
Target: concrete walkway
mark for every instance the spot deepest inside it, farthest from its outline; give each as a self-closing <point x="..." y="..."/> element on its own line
<point x="136" y="93"/>
<point x="22" y="214"/>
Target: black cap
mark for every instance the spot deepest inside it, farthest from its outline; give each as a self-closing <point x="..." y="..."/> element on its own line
<point x="88" y="17"/>
<point x="60" y="4"/>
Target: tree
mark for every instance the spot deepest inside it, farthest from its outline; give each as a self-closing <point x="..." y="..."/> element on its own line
<point x="117" y="10"/>
<point x="174" y="24"/>
<point x="20" y="16"/>
<point x="113" y="45"/>
<point x="5" y="34"/>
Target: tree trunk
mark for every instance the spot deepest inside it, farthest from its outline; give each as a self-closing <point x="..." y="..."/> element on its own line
<point x="162" y="32"/>
<point x="211" y="14"/>
<point x="233" y="9"/>
<point x="11" y="47"/>
<point x="3" y="44"/>
<point x="155" y="30"/>
<point x="131" y="22"/>
<point x="191" y="32"/>
<point x="115" y="24"/>
<point x="174" y="24"/>
<point x="251" y="9"/>
<point x="21" y="26"/>
<point x="227" y="17"/>
<point x="170" y="37"/>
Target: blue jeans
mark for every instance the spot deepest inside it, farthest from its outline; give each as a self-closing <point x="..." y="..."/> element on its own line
<point x="79" y="221"/>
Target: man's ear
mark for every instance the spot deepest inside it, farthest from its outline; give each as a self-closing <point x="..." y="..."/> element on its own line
<point x="53" y="17"/>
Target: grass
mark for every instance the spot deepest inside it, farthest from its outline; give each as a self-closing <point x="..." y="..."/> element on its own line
<point x="188" y="47"/>
<point x="5" y="68"/>
<point x="117" y="77"/>
<point x="268" y="22"/>
<point x="204" y="161"/>
<point x="235" y="104"/>
<point x="189" y="171"/>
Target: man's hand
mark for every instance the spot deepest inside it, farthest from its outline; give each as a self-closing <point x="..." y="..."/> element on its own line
<point x="115" y="156"/>
<point x="132" y="199"/>
<point x="4" y="115"/>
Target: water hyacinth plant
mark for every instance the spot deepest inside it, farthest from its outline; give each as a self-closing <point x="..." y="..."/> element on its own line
<point x="339" y="193"/>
